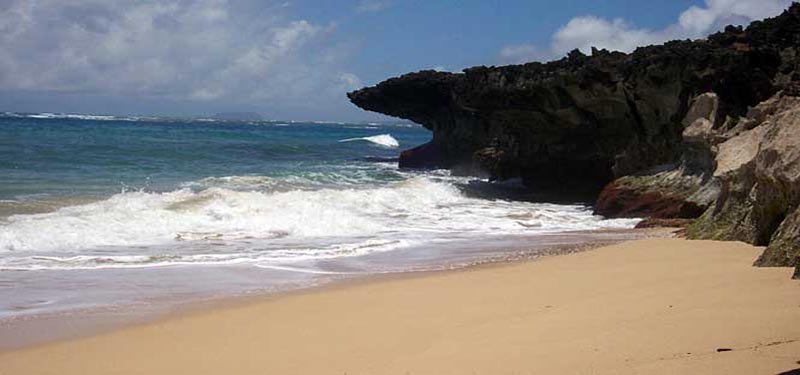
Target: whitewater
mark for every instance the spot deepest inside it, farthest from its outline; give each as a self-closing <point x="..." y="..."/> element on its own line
<point x="385" y="140"/>
<point x="259" y="226"/>
<point x="97" y="213"/>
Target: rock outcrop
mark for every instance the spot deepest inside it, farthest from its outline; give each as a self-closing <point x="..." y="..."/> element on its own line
<point x="579" y="122"/>
<point x="667" y="131"/>
<point x="758" y="171"/>
<point x="681" y="190"/>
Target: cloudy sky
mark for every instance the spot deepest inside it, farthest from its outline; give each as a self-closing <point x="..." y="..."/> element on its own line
<point x="295" y="59"/>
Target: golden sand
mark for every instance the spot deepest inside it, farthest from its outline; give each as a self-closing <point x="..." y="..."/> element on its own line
<point x="662" y="306"/>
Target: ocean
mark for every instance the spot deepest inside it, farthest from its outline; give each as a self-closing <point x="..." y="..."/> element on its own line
<point x="103" y="213"/>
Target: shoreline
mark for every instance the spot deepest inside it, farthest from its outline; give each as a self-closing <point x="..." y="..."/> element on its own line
<point x="25" y="331"/>
<point x="407" y="284"/>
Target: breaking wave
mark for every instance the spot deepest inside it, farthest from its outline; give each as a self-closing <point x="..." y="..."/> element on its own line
<point x="221" y="225"/>
<point x="385" y="140"/>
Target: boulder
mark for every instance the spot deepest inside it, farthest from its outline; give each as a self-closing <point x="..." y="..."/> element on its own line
<point x="424" y="156"/>
<point x="653" y="196"/>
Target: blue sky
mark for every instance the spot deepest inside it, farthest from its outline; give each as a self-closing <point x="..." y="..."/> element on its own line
<point x="295" y="59"/>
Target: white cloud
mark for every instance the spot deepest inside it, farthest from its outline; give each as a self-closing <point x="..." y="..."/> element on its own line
<point x="350" y="81"/>
<point x="371" y="6"/>
<point x="589" y="31"/>
<point x="716" y="14"/>
<point x="520" y="53"/>
<point x="439" y="68"/>
<point x="182" y="50"/>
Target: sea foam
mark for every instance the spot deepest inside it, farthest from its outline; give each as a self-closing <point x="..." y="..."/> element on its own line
<point x="217" y="225"/>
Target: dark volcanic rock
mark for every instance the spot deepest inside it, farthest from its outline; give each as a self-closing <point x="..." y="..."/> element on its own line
<point x="579" y="122"/>
<point x="671" y="125"/>
<point x="424" y="156"/>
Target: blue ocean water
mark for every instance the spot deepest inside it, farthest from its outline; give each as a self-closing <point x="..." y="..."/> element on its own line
<point x="103" y="211"/>
<point x="61" y="157"/>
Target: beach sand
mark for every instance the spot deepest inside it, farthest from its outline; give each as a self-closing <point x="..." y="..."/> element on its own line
<point x="659" y="306"/>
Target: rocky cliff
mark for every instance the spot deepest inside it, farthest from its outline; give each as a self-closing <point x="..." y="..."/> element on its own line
<point x="647" y="131"/>
<point x="757" y="171"/>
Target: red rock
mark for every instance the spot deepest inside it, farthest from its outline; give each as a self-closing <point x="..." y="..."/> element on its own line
<point x="623" y="201"/>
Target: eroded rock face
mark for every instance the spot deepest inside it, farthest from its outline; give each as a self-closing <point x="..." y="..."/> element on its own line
<point x="660" y="196"/>
<point x="682" y="190"/>
<point x="758" y="171"/>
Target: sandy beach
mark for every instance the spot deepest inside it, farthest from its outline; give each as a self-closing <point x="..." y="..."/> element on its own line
<point x="380" y="187"/>
<point x="658" y="306"/>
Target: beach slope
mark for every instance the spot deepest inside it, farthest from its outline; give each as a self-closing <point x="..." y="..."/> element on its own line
<point x="660" y="306"/>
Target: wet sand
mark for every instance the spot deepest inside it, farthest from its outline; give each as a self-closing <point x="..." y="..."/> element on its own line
<point x="74" y="304"/>
<point x="658" y="306"/>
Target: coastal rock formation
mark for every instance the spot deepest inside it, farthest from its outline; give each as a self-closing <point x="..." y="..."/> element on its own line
<point x="664" y="223"/>
<point x="423" y="156"/>
<point x="579" y="122"/>
<point x="682" y="190"/>
<point x="667" y="131"/>
<point x="758" y="171"/>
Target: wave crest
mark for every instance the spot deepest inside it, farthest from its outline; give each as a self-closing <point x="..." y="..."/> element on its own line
<point x="144" y="229"/>
<point x="385" y="140"/>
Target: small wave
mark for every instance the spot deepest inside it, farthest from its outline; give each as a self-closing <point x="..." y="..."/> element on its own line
<point x="275" y="258"/>
<point x="405" y="125"/>
<point x="354" y="176"/>
<point x="242" y="183"/>
<point x="385" y="140"/>
<point x="379" y="159"/>
<point x="327" y="122"/>
<point x="69" y="116"/>
<point x="304" y="270"/>
<point x="362" y="127"/>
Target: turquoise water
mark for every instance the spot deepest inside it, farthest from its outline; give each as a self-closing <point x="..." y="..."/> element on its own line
<point x="102" y="212"/>
<point x="60" y="157"/>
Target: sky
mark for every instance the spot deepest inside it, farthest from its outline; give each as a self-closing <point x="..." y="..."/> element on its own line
<point x="296" y="59"/>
